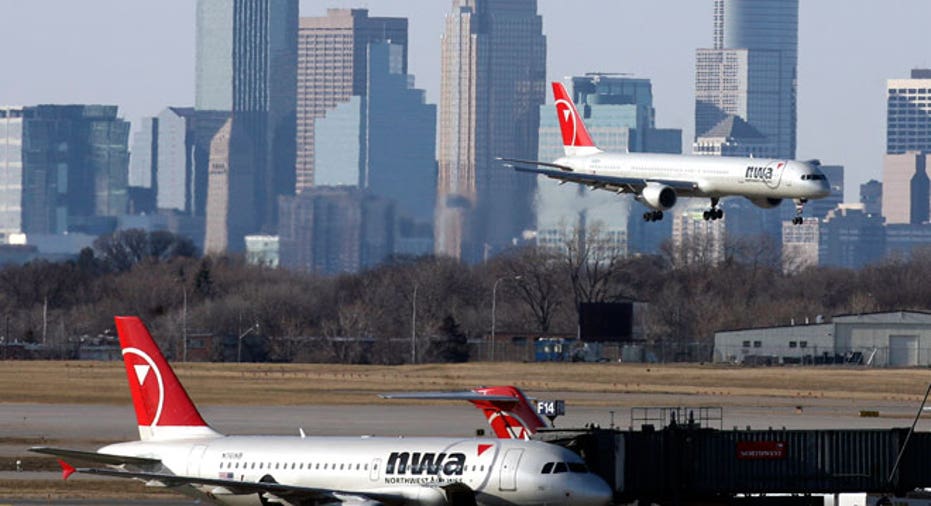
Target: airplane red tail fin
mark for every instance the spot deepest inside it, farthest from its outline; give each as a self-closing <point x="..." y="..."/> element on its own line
<point x="163" y="408"/>
<point x="514" y="419"/>
<point x="507" y="410"/>
<point x="575" y="137"/>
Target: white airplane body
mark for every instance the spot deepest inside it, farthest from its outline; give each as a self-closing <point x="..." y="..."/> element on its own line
<point x="658" y="180"/>
<point x="178" y="449"/>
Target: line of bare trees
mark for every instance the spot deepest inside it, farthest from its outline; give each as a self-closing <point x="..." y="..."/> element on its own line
<point x="159" y="277"/>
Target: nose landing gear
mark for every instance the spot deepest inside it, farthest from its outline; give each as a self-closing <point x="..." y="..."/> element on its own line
<point x="799" y="208"/>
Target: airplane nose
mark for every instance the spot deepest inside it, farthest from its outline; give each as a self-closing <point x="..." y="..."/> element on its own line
<point x="594" y="492"/>
<point x="824" y="189"/>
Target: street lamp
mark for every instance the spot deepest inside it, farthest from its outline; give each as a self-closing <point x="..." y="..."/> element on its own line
<point x="254" y="328"/>
<point x="494" y="298"/>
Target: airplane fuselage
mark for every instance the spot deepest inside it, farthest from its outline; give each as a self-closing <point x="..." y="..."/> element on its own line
<point x="713" y="176"/>
<point x="499" y="471"/>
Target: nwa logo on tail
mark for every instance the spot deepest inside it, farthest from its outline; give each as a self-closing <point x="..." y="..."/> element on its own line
<point x="426" y="463"/>
<point x="770" y="175"/>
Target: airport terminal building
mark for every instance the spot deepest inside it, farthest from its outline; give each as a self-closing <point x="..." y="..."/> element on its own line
<point x="893" y="339"/>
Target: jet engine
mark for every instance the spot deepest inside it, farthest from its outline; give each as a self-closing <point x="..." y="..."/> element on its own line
<point x="658" y="196"/>
<point x="766" y="202"/>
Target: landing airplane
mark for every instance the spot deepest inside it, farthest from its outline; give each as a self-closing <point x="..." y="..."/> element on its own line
<point x="177" y="449"/>
<point x="657" y="180"/>
<point x="506" y="408"/>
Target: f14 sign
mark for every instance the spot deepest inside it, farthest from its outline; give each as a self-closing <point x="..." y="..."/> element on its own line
<point x="761" y="450"/>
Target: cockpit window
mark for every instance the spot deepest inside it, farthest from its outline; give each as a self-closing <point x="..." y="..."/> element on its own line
<point x="813" y="177"/>
<point x="578" y="467"/>
<point x="547" y="468"/>
<point x="560" y="467"/>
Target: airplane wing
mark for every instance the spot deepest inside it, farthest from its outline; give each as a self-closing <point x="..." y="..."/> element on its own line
<point x="290" y="493"/>
<point x="467" y="395"/>
<point x="97" y="458"/>
<point x="624" y="184"/>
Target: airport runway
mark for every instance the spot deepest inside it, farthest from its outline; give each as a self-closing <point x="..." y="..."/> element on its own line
<point x="88" y="426"/>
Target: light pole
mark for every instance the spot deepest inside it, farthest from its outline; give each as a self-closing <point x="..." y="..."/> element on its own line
<point x="494" y="300"/>
<point x="414" y="326"/>
<point x="254" y="328"/>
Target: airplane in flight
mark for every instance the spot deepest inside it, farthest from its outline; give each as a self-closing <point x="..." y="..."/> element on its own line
<point x="177" y="449"/>
<point x="507" y="410"/>
<point x="658" y="180"/>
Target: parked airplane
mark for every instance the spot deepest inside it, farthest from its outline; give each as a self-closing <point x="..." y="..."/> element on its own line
<point x="178" y="449"/>
<point x="507" y="410"/>
<point x="657" y="180"/>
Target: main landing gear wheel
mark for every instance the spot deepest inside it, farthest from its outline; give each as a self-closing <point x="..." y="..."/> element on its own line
<point x="653" y="216"/>
<point x="715" y="213"/>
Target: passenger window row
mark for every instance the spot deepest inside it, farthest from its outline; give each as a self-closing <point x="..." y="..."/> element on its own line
<point x="563" y="467"/>
<point x="325" y="466"/>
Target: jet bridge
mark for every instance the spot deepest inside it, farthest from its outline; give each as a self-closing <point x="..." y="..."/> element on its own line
<point x="692" y="463"/>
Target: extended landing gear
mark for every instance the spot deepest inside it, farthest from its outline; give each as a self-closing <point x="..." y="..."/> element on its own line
<point x="653" y="216"/>
<point x="799" y="208"/>
<point x="715" y="213"/>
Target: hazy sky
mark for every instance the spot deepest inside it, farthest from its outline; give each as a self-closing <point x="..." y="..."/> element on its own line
<point x="140" y="55"/>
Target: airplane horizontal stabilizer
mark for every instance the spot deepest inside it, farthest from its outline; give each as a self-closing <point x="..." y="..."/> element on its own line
<point x="510" y="161"/>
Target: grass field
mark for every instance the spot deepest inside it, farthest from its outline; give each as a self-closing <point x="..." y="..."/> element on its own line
<point x="308" y="384"/>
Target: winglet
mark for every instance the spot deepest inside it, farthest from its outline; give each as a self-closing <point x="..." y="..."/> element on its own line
<point x="66" y="469"/>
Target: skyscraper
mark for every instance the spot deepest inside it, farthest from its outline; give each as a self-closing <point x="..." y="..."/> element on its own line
<point x="750" y="71"/>
<point x="908" y="113"/>
<point x="905" y="197"/>
<point x="247" y="66"/>
<point x="75" y="165"/>
<point x="332" y="68"/>
<point x="11" y="171"/>
<point x="383" y="140"/>
<point x="493" y="70"/>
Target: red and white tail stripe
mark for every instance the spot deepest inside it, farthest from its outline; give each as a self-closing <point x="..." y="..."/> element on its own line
<point x="163" y="408"/>
<point x="575" y="137"/>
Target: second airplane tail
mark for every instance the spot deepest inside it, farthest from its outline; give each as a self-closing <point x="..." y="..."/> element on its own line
<point x="163" y="408"/>
<point x="576" y="140"/>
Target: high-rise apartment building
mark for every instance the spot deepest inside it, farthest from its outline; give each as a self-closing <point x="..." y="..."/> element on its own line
<point x="247" y="66"/>
<point x="493" y="71"/>
<point x="751" y="70"/>
<point x="800" y="244"/>
<point x="333" y="67"/>
<point x="905" y="197"/>
<point x="908" y="113"/>
<point x="619" y="113"/>
<point x="696" y="240"/>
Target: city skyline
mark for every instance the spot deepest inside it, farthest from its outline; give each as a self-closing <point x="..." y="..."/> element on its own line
<point x="847" y="51"/>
